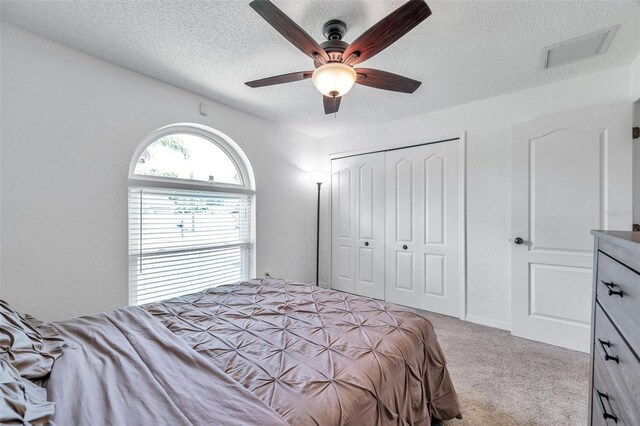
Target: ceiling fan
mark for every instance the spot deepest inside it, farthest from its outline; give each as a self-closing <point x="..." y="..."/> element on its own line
<point x="334" y="59"/>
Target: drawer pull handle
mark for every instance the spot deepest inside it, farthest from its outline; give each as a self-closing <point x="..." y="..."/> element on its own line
<point x="611" y="287"/>
<point x="604" y="410"/>
<point x="607" y="344"/>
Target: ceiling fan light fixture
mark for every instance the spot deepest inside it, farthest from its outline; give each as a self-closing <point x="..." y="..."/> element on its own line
<point x="334" y="79"/>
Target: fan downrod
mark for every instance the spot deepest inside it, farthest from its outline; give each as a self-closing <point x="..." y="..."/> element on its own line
<point x="334" y="30"/>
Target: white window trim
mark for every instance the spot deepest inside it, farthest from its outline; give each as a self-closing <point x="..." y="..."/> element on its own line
<point x="227" y="145"/>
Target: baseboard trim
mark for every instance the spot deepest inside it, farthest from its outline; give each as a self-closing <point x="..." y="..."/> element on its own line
<point x="502" y="325"/>
<point x="320" y="284"/>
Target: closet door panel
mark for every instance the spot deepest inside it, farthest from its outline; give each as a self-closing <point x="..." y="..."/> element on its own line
<point x="342" y="225"/>
<point x="423" y="220"/>
<point x="404" y="275"/>
<point x="401" y="227"/>
<point x="370" y="225"/>
<point x="434" y="207"/>
<point x="403" y="203"/>
<point x="440" y="238"/>
<point x="434" y="274"/>
<point x="357" y="209"/>
<point x="366" y="184"/>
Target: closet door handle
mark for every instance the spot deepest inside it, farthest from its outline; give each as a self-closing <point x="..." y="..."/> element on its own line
<point x="611" y="287"/>
<point x="606" y="415"/>
<point x="607" y="344"/>
<point x="366" y="243"/>
<point x="404" y="247"/>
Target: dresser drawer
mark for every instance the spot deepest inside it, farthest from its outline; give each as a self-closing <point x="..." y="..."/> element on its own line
<point x="617" y="358"/>
<point x="597" y="415"/>
<point x="611" y="398"/>
<point x="618" y="291"/>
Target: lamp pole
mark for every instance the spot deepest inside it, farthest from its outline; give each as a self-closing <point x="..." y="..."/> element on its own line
<point x="318" y="238"/>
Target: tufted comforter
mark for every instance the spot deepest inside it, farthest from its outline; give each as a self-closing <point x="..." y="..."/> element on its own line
<point x="124" y="368"/>
<point x="315" y="356"/>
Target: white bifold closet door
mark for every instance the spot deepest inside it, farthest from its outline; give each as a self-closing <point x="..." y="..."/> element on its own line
<point x="357" y="225"/>
<point x="423" y="227"/>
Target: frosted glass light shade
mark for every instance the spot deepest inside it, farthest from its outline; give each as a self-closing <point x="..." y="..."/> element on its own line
<point x="334" y="79"/>
<point x="318" y="176"/>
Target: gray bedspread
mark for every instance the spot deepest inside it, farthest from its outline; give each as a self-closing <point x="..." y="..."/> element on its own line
<point x="318" y="357"/>
<point x="125" y="368"/>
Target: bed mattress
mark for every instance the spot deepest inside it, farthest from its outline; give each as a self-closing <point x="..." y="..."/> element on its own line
<point x="316" y="356"/>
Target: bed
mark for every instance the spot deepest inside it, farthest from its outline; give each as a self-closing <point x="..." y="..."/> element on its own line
<point x="258" y="352"/>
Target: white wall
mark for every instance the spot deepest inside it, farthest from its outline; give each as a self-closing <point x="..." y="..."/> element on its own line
<point x="70" y="126"/>
<point x="488" y="126"/>
<point x="635" y="79"/>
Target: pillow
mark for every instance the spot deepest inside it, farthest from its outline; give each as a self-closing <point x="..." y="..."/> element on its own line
<point x="28" y="344"/>
<point x="22" y="402"/>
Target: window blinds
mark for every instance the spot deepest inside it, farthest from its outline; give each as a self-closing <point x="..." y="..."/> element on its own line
<point x="182" y="241"/>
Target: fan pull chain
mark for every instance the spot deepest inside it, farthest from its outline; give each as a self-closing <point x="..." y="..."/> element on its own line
<point x="334" y="95"/>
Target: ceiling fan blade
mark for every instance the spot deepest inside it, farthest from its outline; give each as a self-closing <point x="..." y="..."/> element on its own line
<point x="331" y="105"/>
<point x="386" y="32"/>
<point x="280" y="79"/>
<point x="386" y="80"/>
<point x="290" y="30"/>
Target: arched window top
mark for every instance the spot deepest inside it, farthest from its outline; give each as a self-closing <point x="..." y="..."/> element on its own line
<point x="191" y="157"/>
<point x="191" y="154"/>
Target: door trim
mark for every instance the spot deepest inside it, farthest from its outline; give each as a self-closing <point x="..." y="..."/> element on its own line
<point x="346" y="155"/>
<point x="463" y="226"/>
<point x="397" y="145"/>
<point x="462" y="216"/>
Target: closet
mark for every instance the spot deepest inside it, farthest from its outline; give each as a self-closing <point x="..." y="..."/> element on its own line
<point x="396" y="225"/>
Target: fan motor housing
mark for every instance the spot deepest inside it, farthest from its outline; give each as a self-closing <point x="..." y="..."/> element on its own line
<point x="334" y="29"/>
<point x="334" y="49"/>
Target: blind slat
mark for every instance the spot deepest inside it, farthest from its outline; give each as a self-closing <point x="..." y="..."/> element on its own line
<point x="168" y="273"/>
<point x="185" y="241"/>
<point x="180" y="285"/>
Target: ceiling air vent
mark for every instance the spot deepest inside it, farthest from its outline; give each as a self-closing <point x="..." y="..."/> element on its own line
<point x="578" y="48"/>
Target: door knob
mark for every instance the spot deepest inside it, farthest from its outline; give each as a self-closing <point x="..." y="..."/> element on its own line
<point x="404" y="247"/>
<point x="518" y="240"/>
<point x="366" y="243"/>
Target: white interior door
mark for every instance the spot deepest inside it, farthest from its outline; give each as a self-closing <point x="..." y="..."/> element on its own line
<point x="357" y="208"/>
<point x="571" y="173"/>
<point x="423" y="227"/>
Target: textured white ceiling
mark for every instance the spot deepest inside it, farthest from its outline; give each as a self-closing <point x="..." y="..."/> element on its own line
<point x="466" y="51"/>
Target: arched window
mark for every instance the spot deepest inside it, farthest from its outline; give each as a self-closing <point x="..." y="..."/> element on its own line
<point x="191" y="213"/>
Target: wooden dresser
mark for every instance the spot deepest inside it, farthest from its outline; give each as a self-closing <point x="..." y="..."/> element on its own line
<point x="615" y="338"/>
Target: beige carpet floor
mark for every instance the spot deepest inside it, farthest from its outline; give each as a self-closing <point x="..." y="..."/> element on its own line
<point x="504" y="380"/>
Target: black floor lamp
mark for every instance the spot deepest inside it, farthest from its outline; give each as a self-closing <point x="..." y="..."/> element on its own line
<point x="318" y="238"/>
<point x="318" y="177"/>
